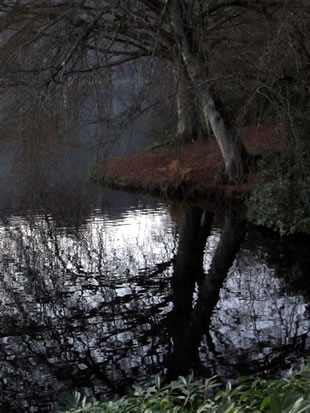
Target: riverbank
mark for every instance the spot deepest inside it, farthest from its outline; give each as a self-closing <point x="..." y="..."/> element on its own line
<point x="190" y="171"/>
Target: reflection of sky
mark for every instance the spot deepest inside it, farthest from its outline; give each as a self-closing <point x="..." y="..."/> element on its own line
<point x="97" y="296"/>
<point x="251" y="306"/>
<point x="103" y="245"/>
<point x="254" y="319"/>
<point x="96" y="290"/>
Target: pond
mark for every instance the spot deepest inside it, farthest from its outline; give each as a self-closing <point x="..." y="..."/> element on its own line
<point x="101" y="290"/>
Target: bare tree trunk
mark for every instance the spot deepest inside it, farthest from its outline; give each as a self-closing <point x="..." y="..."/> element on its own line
<point x="232" y="149"/>
<point x="190" y="123"/>
<point x="187" y="121"/>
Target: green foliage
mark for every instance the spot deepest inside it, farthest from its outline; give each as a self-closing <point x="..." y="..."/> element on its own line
<point x="281" y="200"/>
<point x="186" y="395"/>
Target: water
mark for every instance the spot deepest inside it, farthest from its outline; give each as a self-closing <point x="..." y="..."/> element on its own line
<point x="101" y="290"/>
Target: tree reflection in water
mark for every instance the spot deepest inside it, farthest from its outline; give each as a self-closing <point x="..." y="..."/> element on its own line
<point x="189" y="322"/>
<point x="115" y="300"/>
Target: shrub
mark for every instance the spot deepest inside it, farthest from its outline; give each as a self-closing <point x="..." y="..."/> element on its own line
<point x="185" y="395"/>
<point x="281" y="200"/>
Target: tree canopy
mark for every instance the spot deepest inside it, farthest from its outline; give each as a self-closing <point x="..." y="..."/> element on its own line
<point x="217" y="51"/>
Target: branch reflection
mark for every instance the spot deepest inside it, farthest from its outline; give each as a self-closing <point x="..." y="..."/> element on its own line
<point x="124" y="294"/>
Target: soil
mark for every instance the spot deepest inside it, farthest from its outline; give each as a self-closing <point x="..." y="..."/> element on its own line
<point x="187" y="170"/>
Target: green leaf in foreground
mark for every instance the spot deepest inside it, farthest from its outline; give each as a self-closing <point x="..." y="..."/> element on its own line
<point x="186" y="395"/>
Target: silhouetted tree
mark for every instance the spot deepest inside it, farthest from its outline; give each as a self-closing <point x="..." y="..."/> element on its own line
<point x="48" y="42"/>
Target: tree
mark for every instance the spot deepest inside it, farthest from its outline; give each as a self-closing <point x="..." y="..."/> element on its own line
<point x="49" y="42"/>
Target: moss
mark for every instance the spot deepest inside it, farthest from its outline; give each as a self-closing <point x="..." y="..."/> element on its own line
<point x="166" y="141"/>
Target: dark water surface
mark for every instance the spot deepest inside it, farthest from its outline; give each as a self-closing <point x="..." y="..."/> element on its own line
<point x="101" y="290"/>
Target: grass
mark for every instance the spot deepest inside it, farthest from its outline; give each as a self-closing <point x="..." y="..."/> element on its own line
<point x="185" y="395"/>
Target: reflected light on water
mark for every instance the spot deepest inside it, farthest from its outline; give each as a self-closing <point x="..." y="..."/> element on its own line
<point x="121" y="296"/>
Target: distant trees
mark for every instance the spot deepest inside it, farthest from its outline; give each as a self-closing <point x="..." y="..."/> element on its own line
<point x="210" y="46"/>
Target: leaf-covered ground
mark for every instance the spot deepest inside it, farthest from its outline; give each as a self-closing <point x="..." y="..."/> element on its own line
<point x="192" y="167"/>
